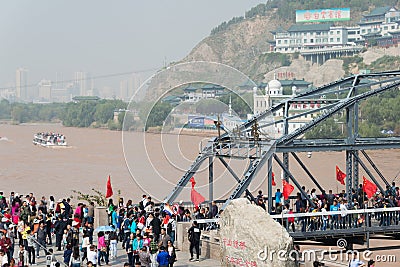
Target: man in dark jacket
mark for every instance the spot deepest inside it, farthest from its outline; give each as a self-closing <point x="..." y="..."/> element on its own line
<point x="41" y="239"/>
<point x="214" y="209"/>
<point x="155" y="225"/>
<point x="194" y="233"/>
<point x="59" y="227"/>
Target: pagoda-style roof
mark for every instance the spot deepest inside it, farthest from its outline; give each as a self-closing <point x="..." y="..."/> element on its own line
<point x="372" y="34"/>
<point x="86" y="98"/>
<point x="279" y="30"/>
<point x="190" y="88"/>
<point x="212" y="87"/>
<point x="294" y="82"/>
<point x="171" y="99"/>
<point x="379" y="11"/>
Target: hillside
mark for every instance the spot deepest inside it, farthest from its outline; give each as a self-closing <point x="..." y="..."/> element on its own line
<point x="241" y="42"/>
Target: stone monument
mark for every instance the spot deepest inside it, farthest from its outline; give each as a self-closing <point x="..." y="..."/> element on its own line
<point x="250" y="237"/>
<point x="100" y="217"/>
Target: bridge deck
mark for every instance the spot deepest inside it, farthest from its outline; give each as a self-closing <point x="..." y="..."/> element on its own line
<point x="322" y="226"/>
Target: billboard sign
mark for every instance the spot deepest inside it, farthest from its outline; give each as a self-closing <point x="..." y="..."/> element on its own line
<point x="195" y="121"/>
<point x="200" y="122"/>
<point x="323" y="15"/>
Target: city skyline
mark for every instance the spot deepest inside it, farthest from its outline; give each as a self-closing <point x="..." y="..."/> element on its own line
<point x="58" y="39"/>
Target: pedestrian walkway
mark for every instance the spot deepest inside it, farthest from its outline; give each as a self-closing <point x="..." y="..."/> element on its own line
<point x="183" y="259"/>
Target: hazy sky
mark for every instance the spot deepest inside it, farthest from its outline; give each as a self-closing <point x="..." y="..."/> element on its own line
<point x="103" y="37"/>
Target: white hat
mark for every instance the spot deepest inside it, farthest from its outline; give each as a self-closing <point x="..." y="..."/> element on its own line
<point x="4" y="219"/>
<point x="75" y="223"/>
<point x="180" y="201"/>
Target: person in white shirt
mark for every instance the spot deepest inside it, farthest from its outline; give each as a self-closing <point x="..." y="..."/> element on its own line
<point x="343" y="218"/>
<point x="85" y="245"/>
<point x="3" y="258"/>
<point x="355" y="262"/>
<point x="92" y="255"/>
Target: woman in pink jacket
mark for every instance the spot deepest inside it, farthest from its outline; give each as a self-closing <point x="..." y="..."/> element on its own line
<point x="101" y="248"/>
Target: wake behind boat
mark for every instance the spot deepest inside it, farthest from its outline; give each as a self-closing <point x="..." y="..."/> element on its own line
<point x="49" y="140"/>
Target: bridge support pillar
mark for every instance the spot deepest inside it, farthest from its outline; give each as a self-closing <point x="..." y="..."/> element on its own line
<point x="349" y="174"/>
<point x="210" y="180"/>
<point x="355" y="171"/>
<point x="269" y="166"/>
<point x="286" y="164"/>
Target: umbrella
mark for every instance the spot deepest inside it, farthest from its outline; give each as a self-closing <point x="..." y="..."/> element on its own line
<point x="104" y="228"/>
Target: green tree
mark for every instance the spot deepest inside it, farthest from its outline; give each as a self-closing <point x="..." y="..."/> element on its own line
<point x="326" y="130"/>
<point x="157" y="115"/>
<point x="104" y="112"/>
<point x="19" y="113"/>
<point x="5" y="109"/>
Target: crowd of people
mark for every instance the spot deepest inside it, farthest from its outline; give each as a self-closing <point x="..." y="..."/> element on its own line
<point x="55" y="138"/>
<point x="31" y="228"/>
<point x="38" y="228"/>
<point x="338" y="202"/>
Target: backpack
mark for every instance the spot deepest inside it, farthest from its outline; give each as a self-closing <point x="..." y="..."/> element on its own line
<point x="127" y="224"/>
<point x="141" y="206"/>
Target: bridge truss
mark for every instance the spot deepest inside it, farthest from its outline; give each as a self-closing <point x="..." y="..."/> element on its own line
<point x="249" y="141"/>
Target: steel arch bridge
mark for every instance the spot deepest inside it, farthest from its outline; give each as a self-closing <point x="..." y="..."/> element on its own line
<point x="342" y="96"/>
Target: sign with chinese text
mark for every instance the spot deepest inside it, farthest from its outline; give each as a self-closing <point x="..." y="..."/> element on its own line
<point x="323" y="15"/>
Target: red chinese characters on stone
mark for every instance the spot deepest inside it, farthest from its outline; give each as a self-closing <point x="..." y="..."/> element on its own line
<point x="234" y="243"/>
<point x="338" y="14"/>
<point x="240" y="262"/>
<point x="316" y="15"/>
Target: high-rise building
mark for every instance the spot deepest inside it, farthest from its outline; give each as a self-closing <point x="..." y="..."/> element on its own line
<point x="59" y="80"/>
<point x="21" y="82"/>
<point x="45" y="90"/>
<point x="81" y="82"/>
<point x="135" y="82"/>
<point x="123" y="90"/>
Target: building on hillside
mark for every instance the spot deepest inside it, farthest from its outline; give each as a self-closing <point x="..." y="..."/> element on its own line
<point x="380" y="27"/>
<point x="320" y="42"/>
<point x="300" y="85"/>
<point x="192" y="93"/>
<point x="301" y="37"/>
<point x="172" y="100"/>
<point x="212" y="91"/>
<point x="274" y="93"/>
<point x="315" y="42"/>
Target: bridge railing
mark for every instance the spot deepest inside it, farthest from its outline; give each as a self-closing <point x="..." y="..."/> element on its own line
<point x="360" y="219"/>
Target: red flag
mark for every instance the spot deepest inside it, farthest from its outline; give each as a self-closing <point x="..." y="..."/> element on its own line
<point x="192" y="181"/>
<point x="195" y="196"/>
<point x="340" y="175"/>
<point x="369" y="187"/>
<point x="287" y="189"/>
<point x="109" y="188"/>
<point x="273" y="179"/>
